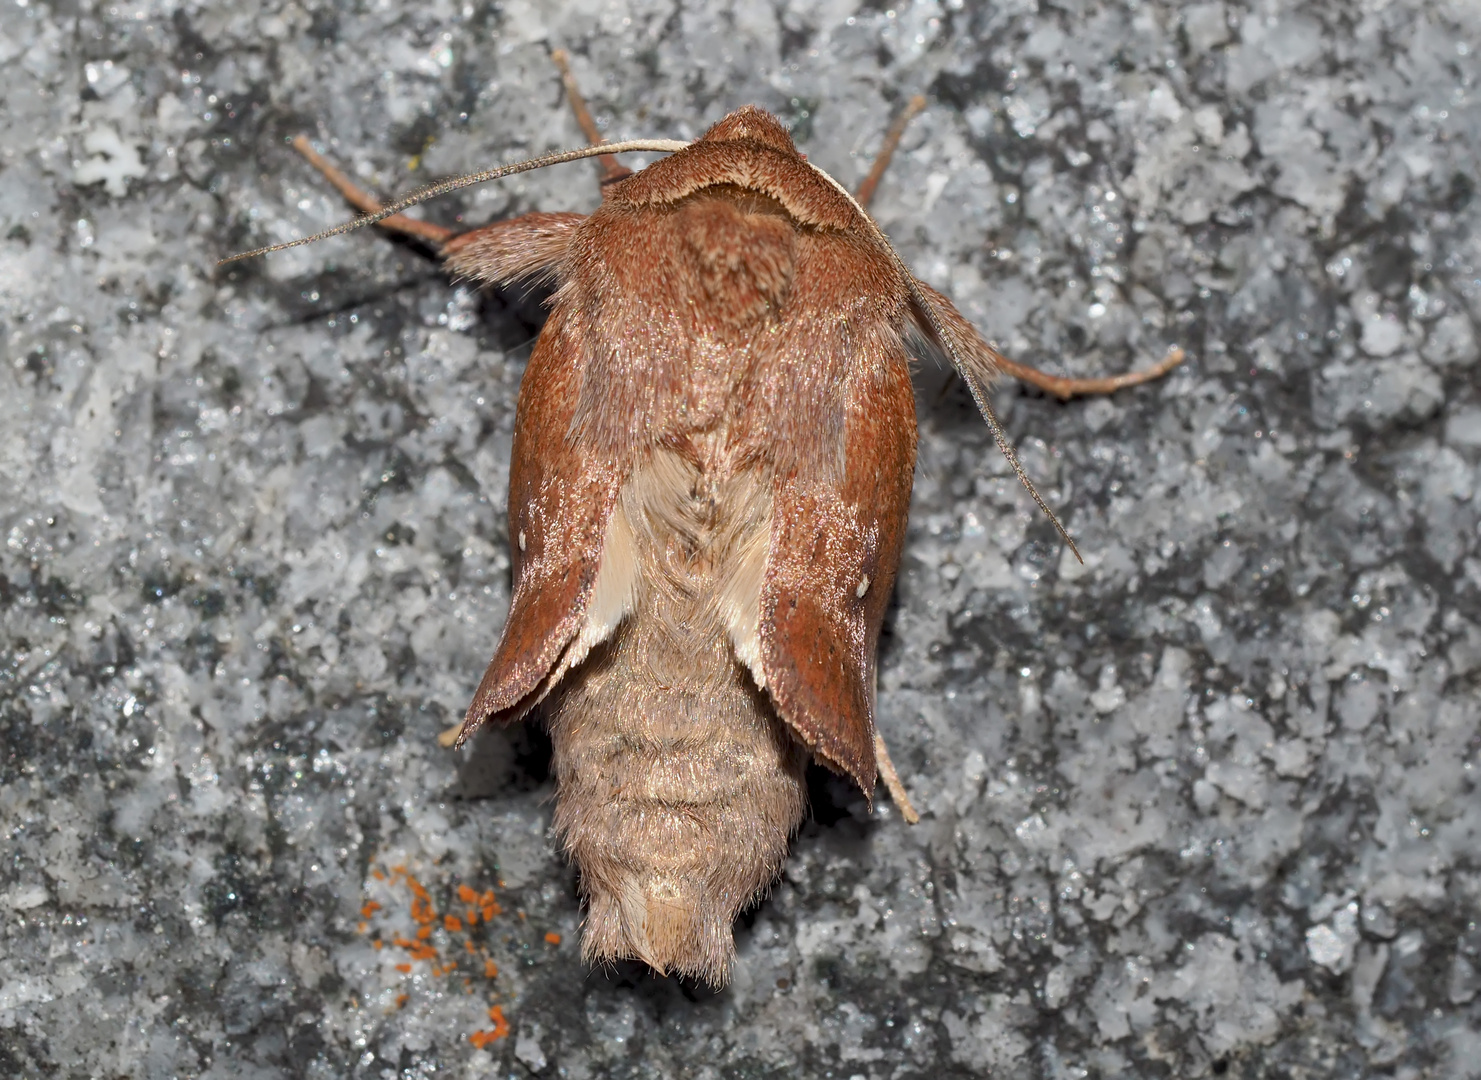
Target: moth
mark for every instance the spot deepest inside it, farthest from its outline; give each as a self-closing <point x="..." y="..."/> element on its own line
<point x="713" y="455"/>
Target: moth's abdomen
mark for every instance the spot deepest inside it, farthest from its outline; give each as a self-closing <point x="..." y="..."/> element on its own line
<point x="679" y="786"/>
<point x="677" y="807"/>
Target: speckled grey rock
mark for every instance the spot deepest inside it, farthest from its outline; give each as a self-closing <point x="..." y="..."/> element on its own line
<point x="1206" y="805"/>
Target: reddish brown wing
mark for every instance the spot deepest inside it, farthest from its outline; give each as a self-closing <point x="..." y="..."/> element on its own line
<point x="839" y="517"/>
<point x="560" y="498"/>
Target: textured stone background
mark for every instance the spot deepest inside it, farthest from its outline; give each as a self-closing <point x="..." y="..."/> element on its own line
<point x="1206" y="806"/>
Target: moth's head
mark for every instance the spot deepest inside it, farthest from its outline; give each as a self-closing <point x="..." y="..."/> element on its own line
<point x="748" y="151"/>
<point x="750" y="124"/>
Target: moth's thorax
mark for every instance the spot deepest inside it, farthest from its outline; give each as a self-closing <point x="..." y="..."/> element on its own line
<point x="722" y="308"/>
<point x="741" y="251"/>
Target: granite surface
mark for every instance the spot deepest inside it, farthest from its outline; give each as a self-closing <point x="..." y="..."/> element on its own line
<point x="1206" y="805"/>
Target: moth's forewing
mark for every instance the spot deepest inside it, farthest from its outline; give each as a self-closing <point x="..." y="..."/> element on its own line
<point x="839" y="518"/>
<point x="560" y="500"/>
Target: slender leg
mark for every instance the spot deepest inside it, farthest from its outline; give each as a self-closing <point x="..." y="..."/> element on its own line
<point x="865" y="194"/>
<point x="436" y="235"/>
<point x="367" y="203"/>
<point x="523" y="247"/>
<point x="891" y="780"/>
<point x="1065" y="388"/>
<point x="1058" y="385"/>
<point x="611" y="170"/>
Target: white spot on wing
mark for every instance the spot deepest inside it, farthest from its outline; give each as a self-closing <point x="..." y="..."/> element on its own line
<point x="613" y="594"/>
<point x="740" y="600"/>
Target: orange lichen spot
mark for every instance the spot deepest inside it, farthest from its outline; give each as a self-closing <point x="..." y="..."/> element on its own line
<point x="401" y="1000"/>
<point x="501" y="1026"/>
<point x="475" y="906"/>
<point x="552" y="938"/>
<point x="481" y="1039"/>
<point x="521" y="915"/>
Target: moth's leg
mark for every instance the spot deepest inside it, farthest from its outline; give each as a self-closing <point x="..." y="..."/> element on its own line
<point x="865" y="194"/>
<point x="449" y="738"/>
<point x="367" y="203"/>
<point x="1058" y="385"/>
<point x="1066" y="388"/>
<point x="524" y="246"/>
<point x="891" y="780"/>
<point x="611" y="170"/>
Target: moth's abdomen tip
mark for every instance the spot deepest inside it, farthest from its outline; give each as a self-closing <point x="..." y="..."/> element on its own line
<point x="668" y="923"/>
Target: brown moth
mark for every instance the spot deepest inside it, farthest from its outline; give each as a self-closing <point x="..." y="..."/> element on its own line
<point x="713" y="454"/>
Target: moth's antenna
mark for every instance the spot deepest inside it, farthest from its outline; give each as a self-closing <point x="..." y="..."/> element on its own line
<point x="984" y="406"/>
<point x="442" y="187"/>
<point x="974" y="384"/>
<point x="979" y="395"/>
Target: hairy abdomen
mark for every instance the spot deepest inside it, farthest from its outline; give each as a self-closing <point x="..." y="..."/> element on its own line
<point x="679" y="786"/>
